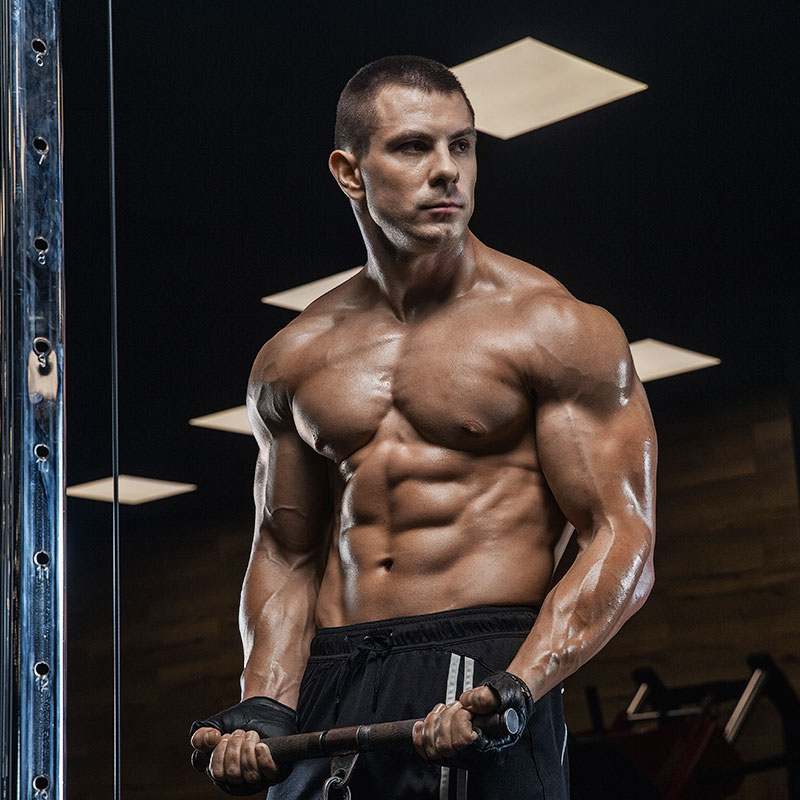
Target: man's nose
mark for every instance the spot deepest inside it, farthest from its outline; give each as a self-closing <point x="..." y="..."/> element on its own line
<point x="443" y="169"/>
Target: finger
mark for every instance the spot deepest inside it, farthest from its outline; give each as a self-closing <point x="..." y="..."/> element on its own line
<point x="456" y="731"/>
<point x="266" y="764"/>
<point x="206" y="739"/>
<point x="232" y="762"/>
<point x="429" y="739"/>
<point x="480" y="700"/>
<point x="247" y="758"/>
<point x="423" y="732"/>
<point x="416" y="737"/>
<point x="442" y="741"/>
<point x="430" y="731"/>
<point x="216" y="767"/>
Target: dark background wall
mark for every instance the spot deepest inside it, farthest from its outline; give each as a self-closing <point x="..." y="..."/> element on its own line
<point x="671" y="208"/>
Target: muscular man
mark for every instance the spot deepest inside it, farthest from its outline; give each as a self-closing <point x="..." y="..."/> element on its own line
<point x="426" y="430"/>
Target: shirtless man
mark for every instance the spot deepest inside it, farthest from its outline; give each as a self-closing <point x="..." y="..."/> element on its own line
<point x="426" y="431"/>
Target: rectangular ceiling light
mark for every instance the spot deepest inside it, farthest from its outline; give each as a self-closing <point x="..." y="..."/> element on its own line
<point x="529" y="84"/>
<point x="233" y="420"/>
<point x="301" y="296"/>
<point x="132" y="490"/>
<point x="653" y="359"/>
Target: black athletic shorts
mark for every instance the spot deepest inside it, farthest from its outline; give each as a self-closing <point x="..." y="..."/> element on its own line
<point x="400" y="669"/>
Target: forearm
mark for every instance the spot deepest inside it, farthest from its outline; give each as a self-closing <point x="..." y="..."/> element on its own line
<point x="277" y="624"/>
<point x="604" y="587"/>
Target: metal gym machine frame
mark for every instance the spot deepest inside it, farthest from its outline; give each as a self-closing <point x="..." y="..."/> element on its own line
<point x="32" y="636"/>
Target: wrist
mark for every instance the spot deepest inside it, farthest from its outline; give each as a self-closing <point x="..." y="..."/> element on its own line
<point x="512" y="692"/>
<point x="253" y="684"/>
<point x="531" y="678"/>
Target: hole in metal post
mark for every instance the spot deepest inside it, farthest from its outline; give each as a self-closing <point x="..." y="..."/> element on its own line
<point x="41" y="346"/>
<point x="41" y="783"/>
<point x="42" y="452"/>
<point x="42" y="669"/>
<point x="41" y="244"/>
<point x="40" y="144"/>
<point x="41" y="559"/>
<point x="39" y="46"/>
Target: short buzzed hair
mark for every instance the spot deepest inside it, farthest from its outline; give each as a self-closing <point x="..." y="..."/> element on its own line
<point x="356" y="119"/>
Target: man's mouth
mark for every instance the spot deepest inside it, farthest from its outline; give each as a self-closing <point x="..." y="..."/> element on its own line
<point x="443" y="205"/>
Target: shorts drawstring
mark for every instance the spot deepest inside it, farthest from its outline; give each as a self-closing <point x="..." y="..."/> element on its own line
<point x="372" y="647"/>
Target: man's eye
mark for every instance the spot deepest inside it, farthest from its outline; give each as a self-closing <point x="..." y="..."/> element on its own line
<point x="461" y="146"/>
<point x="412" y="147"/>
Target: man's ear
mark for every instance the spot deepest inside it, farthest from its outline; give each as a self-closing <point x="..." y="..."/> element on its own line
<point x="344" y="167"/>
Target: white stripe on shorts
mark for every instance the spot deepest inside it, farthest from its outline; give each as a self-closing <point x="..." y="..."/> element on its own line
<point x="463" y="775"/>
<point x="450" y="696"/>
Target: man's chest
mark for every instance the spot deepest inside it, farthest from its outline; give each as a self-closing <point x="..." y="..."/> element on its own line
<point x="455" y="382"/>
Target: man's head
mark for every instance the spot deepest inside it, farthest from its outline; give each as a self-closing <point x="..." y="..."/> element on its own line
<point x="356" y="115"/>
<point x="406" y="157"/>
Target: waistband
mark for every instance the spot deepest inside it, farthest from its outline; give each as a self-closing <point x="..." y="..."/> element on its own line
<point x="441" y="627"/>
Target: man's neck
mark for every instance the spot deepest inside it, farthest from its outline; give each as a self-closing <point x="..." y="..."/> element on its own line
<point x="413" y="282"/>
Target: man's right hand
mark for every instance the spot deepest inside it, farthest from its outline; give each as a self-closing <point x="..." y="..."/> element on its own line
<point x="239" y="760"/>
<point x="240" y="763"/>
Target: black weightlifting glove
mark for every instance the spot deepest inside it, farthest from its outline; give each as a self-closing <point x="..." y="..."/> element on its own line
<point x="264" y="715"/>
<point x="514" y="694"/>
<point x="492" y="745"/>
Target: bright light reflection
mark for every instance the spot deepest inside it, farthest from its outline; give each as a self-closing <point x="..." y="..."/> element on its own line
<point x="133" y="490"/>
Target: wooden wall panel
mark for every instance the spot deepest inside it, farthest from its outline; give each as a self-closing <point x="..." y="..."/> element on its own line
<point x="727" y="570"/>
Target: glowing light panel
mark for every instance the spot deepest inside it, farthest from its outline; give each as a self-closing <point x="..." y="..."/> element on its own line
<point x="233" y="420"/>
<point x="301" y="296"/>
<point x="529" y="84"/>
<point x="653" y="359"/>
<point x="133" y="490"/>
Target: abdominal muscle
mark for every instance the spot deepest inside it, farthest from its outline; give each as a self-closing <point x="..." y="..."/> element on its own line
<point x="422" y="528"/>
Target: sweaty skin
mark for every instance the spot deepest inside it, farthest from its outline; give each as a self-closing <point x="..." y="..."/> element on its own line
<point x="427" y="429"/>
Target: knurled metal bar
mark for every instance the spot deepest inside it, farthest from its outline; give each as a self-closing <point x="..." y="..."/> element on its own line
<point x="378" y="736"/>
<point x="32" y="360"/>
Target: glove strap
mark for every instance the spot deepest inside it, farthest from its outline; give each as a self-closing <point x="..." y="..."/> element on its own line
<point x="512" y="692"/>
<point x="514" y="695"/>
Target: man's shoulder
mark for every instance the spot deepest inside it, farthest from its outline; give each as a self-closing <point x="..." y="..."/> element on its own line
<point x="541" y="298"/>
<point x="570" y="343"/>
<point x="277" y="370"/>
<point x="286" y="354"/>
<point x="290" y="346"/>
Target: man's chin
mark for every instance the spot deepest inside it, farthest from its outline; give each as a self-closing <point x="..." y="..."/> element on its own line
<point x="426" y="239"/>
<point x="438" y="237"/>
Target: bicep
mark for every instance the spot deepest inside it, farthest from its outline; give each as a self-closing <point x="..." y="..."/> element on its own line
<point x="291" y="493"/>
<point x="291" y="487"/>
<point x="597" y="444"/>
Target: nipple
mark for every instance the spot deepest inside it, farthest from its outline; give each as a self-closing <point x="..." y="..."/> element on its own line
<point x="472" y="427"/>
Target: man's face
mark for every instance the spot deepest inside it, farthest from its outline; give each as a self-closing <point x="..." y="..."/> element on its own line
<point x="419" y="173"/>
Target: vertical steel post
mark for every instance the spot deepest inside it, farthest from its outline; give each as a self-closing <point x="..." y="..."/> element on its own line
<point x="32" y="676"/>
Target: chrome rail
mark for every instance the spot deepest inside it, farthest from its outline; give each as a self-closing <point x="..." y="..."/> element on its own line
<point x="32" y="548"/>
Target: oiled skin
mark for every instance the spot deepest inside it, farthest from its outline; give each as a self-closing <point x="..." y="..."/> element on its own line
<point x="426" y="429"/>
<point x="443" y="439"/>
<point x="439" y="500"/>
